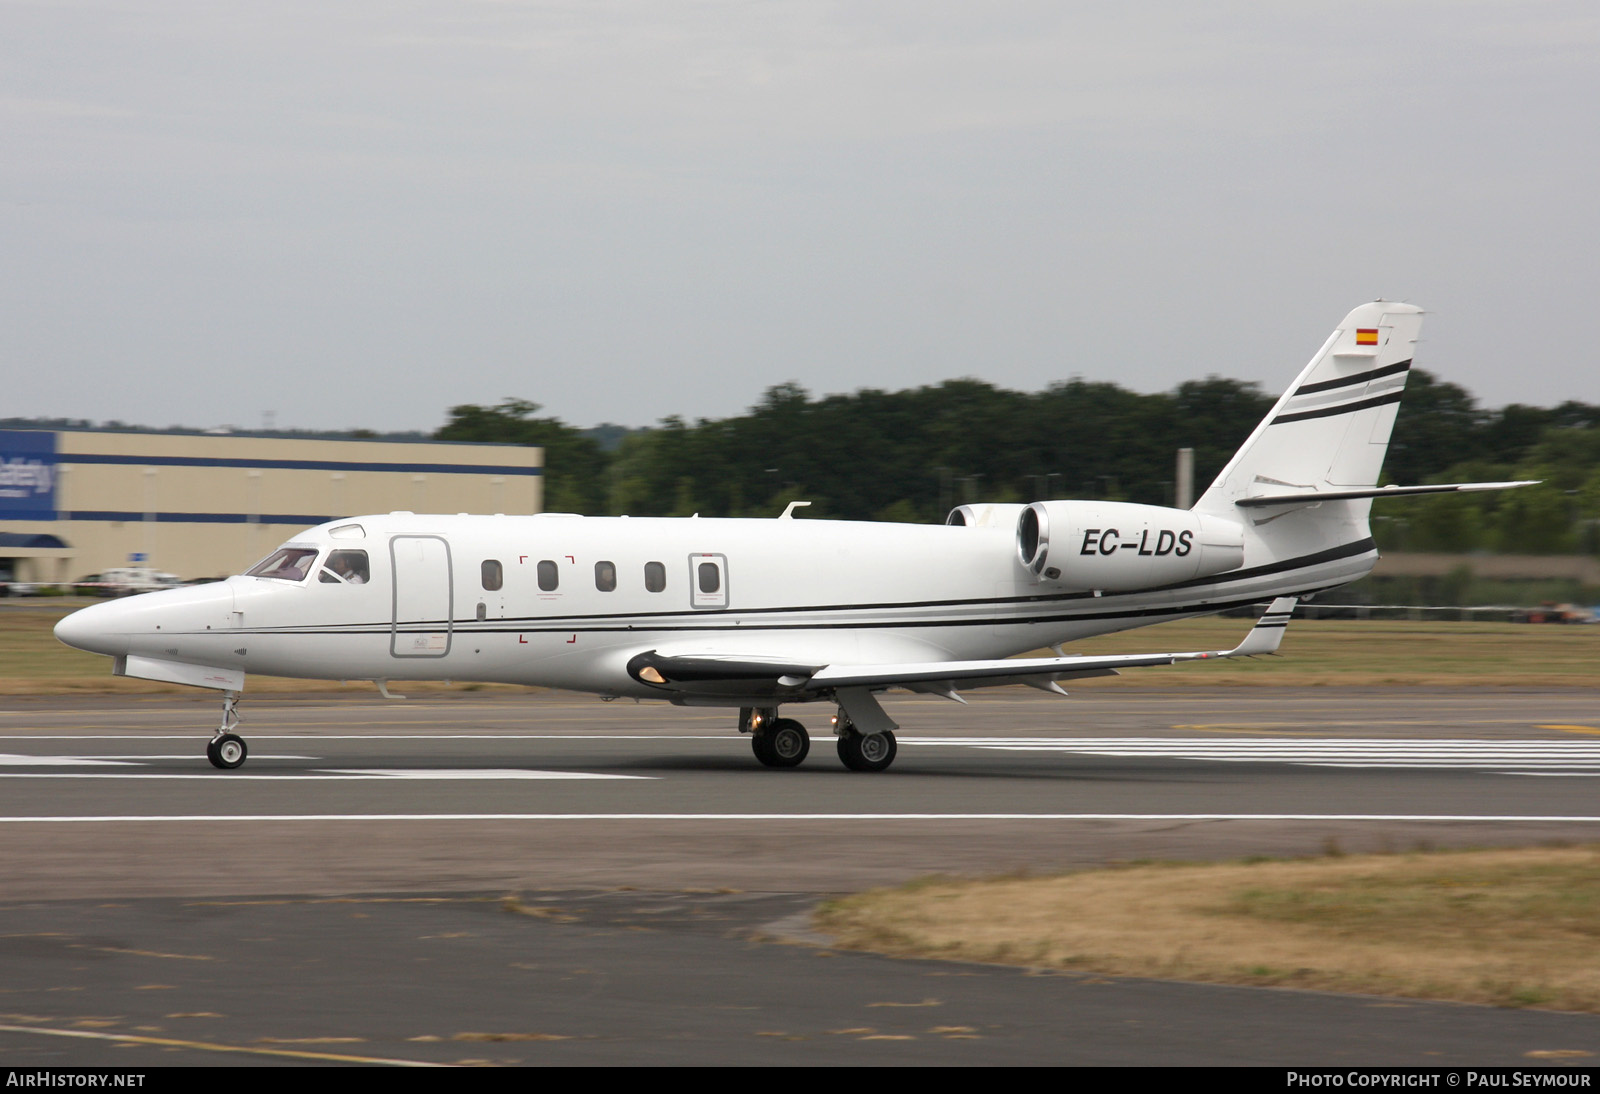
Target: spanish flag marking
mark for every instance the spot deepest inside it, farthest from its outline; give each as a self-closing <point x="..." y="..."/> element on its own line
<point x="1366" y="336"/>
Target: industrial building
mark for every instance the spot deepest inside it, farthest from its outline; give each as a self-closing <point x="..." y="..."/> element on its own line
<point x="74" y="503"/>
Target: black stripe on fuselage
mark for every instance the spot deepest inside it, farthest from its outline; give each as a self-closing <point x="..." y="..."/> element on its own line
<point x="1342" y="408"/>
<point x="1348" y="381"/>
<point x="647" y="622"/>
<point x="1316" y="558"/>
<point x="473" y="627"/>
<point x="1332" y="554"/>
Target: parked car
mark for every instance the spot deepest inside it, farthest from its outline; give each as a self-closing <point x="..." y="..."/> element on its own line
<point x="125" y="581"/>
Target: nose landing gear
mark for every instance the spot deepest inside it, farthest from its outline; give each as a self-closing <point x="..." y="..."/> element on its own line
<point x="227" y="749"/>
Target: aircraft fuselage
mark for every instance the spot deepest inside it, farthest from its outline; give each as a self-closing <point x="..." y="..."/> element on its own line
<point x="566" y="602"/>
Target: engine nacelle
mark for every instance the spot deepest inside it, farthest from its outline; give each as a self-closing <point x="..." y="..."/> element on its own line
<point x="986" y="514"/>
<point x="1119" y="547"/>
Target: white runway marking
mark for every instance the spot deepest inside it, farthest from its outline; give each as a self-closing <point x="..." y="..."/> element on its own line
<point x="332" y="775"/>
<point x="1565" y="757"/>
<point x="252" y="737"/>
<point x="207" y="818"/>
<point x="132" y="760"/>
<point x="59" y="761"/>
<point x="468" y="773"/>
<point x="1581" y="758"/>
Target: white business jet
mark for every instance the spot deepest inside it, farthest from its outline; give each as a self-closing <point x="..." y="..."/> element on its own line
<point x="753" y="614"/>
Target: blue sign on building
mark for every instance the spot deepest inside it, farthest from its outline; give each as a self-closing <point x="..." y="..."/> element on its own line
<point x="27" y="474"/>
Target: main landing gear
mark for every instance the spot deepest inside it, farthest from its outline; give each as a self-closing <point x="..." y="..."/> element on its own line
<point x="784" y="742"/>
<point x="227" y="749"/>
<point x="867" y="751"/>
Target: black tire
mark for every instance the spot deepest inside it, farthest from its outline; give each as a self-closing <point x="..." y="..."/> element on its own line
<point x="227" y="751"/>
<point x="867" y="751"/>
<point x="784" y="743"/>
<point x="790" y="743"/>
<point x="761" y="745"/>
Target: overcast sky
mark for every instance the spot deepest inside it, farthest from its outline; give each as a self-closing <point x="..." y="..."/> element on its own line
<point x="362" y="213"/>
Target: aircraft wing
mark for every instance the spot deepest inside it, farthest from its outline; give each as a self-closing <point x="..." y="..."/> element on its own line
<point x="706" y="673"/>
<point x="1264" y="637"/>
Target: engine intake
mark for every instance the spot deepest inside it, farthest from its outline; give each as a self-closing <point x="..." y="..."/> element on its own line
<point x="985" y="514"/>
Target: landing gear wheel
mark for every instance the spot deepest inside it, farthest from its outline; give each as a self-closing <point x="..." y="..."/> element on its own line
<point x="761" y="745"/>
<point x="226" y="751"/>
<point x="782" y="744"/>
<point x="867" y="751"/>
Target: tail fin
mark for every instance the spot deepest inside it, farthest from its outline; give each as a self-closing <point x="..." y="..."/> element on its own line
<point x="1330" y="430"/>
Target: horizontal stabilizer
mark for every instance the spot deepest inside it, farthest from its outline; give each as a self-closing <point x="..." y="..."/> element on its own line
<point x="1311" y="497"/>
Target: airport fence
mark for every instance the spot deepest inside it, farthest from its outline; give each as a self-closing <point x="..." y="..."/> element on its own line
<point x="1490" y="613"/>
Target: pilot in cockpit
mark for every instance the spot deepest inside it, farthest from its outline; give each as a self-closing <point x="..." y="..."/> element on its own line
<point x="349" y="567"/>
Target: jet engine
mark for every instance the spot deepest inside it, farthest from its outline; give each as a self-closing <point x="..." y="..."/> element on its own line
<point x="986" y="514"/>
<point x="1119" y="547"/>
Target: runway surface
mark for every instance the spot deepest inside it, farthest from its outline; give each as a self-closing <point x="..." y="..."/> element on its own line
<point x="665" y="850"/>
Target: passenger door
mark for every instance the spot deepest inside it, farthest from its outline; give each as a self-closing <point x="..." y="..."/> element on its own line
<point x="424" y="602"/>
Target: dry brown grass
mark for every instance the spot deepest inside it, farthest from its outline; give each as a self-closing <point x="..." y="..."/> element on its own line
<point x="1338" y="652"/>
<point x="1315" y="652"/>
<point x="1509" y="928"/>
<point x="32" y="662"/>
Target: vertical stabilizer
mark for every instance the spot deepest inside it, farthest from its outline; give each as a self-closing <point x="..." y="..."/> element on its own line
<point x="1330" y="430"/>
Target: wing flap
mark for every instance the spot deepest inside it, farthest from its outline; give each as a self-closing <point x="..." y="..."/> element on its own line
<point x="1263" y="638"/>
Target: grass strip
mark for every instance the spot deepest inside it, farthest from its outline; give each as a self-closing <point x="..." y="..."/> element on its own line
<point x="1513" y="928"/>
<point x="1330" y="652"/>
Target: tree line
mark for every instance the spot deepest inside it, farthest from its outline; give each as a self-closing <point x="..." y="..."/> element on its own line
<point x="911" y="455"/>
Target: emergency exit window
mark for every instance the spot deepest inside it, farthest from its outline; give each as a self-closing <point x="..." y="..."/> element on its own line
<point x="710" y="577"/>
<point x="549" y="576"/>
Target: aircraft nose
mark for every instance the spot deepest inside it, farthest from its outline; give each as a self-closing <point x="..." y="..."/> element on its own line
<point x="90" y="630"/>
<point x="135" y="624"/>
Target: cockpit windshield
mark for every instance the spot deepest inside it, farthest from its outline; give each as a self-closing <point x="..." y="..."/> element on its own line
<point x="286" y="564"/>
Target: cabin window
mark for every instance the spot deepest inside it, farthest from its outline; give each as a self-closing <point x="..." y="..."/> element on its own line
<point x="494" y="574"/>
<point x="286" y="564"/>
<point x="655" y="577"/>
<point x="605" y="576"/>
<point x="710" y="577"/>
<point x="347" y="567"/>
<point x="549" y="576"/>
